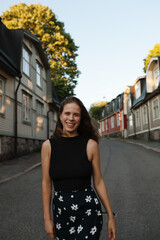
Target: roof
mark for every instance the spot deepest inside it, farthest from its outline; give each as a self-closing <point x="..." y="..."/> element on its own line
<point x="11" y="42"/>
<point x="10" y="51"/>
<point x="137" y="101"/>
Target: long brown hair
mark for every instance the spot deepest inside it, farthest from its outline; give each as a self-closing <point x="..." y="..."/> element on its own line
<point x="85" y="128"/>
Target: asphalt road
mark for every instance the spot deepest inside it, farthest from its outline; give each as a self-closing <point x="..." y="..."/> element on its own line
<point x="132" y="177"/>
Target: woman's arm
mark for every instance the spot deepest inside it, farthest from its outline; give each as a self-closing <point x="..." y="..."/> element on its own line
<point x="99" y="185"/>
<point x="47" y="188"/>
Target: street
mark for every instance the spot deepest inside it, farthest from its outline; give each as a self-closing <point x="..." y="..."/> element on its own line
<point x="132" y="177"/>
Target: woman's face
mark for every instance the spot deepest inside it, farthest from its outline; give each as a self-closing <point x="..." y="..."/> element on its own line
<point x="70" y="118"/>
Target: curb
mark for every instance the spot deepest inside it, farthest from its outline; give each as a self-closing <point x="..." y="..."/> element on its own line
<point x="21" y="173"/>
<point x="145" y="146"/>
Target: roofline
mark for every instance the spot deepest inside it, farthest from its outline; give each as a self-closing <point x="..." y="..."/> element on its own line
<point x="141" y="77"/>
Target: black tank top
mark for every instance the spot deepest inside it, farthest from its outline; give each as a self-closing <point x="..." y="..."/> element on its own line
<point x="70" y="168"/>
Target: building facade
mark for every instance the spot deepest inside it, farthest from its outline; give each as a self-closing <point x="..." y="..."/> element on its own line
<point x="28" y="101"/>
<point x="113" y="122"/>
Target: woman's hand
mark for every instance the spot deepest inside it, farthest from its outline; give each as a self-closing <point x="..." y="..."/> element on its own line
<point x="49" y="228"/>
<point x="111" y="229"/>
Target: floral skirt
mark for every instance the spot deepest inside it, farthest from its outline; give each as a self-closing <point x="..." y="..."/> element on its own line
<point x="77" y="215"/>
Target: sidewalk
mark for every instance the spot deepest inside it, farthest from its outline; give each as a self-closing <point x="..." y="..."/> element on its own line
<point x="16" y="167"/>
<point x="151" y="145"/>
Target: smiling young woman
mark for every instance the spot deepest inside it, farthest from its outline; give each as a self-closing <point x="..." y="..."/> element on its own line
<point x="69" y="159"/>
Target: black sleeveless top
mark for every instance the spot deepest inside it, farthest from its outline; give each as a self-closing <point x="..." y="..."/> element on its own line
<point x="70" y="168"/>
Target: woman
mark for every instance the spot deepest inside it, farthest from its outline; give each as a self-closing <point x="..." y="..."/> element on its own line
<point x="69" y="159"/>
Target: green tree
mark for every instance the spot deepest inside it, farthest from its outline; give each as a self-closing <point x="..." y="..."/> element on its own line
<point x="152" y="53"/>
<point x="95" y="109"/>
<point x="57" y="44"/>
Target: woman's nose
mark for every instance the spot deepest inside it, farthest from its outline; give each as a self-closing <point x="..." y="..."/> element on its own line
<point x="71" y="117"/>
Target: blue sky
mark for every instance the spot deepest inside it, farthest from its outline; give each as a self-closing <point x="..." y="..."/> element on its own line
<point x="113" y="38"/>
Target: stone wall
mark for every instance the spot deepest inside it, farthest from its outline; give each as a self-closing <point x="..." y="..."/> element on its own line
<point x="24" y="146"/>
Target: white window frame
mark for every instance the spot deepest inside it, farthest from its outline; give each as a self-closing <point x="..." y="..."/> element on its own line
<point x="106" y="124"/>
<point x="38" y="74"/>
<point x="156" y="77"/>
<point x="112" y="122"/>
<point x="26" y="62"/>
<point x="2" y="102"/>
<point x="129" y="101"/>
<point x="39" y="118"/>
<point x="145" y="117"/>
<point x="138" y="90"/>
<point x="137" y="118"/>
<point x="131" y="121"/>
<point x="118" y="119"/>
<point x="26" y="107"/>
<point x="156" y="114"/>
<point x="102" y="124"/>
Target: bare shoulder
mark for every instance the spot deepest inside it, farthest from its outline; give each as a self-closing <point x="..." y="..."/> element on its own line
<point x="92" y="148"/>
<point x="46" y="144"/>
<point x="46" y="147"/>
<point x="92" y="144"/>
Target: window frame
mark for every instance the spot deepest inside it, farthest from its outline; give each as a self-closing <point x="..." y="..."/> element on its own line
<point x="131" y="121"/>
<point x="145" y="117"/>
<point x="137" y="90"/>
<point x="137" y="119"/>
<point x="26" y="108"/>
<point x="38" y="74"/>
<point x="156" y="77"/>
<point x="26" y="62"/>
<point x="153" y="115"/>
<point x="118" y="119"/>
<point x="112" y="122"/>
<point x="2" y="96"/>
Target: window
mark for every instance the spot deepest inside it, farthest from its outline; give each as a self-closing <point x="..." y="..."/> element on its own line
<point x="26" y="101"/>
<point x="113" y="105"/>
<point x="129" y="101"/>
<point x="38" y="74"/>
<point x="118" y="119"/>
<point x="137" y="90"/>
<point x="103" y="113"/>
<point x="106" y="124"/>
<point x="26" y="61"/>
<point x="145" y="119"/>
<point x="156" y="77"/>
<point x="131" y="121"/>
<point x="39" y="114"/>
<point x="118" y="102"/>
<point x="102" y="124"/>
<point x="155" y="109"/>
<point x="112" y="122"/>
<point x="1" y="96"/>
<point x="137" y="118"/>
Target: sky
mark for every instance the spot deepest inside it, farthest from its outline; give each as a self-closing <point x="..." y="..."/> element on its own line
<point x="113" y="38"/>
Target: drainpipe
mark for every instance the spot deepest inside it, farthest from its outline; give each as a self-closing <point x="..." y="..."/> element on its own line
<point x="134" y="123"/>
<point x="15" y="118"/>
<point x="149" y="132"/>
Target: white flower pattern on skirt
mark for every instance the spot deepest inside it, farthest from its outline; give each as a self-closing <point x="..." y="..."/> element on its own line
<point x="77" y="215"/>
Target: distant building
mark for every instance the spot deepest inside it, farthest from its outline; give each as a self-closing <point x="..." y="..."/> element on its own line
<point x="142" y="104"/>
<point x="28" y="101"/>
<point x="112" y="121"/>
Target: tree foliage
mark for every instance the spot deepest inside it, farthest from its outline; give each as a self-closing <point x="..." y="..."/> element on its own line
<point x="57" y="44"/>
<point x="152" y="53"/>
<point x="95" y="109"/>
